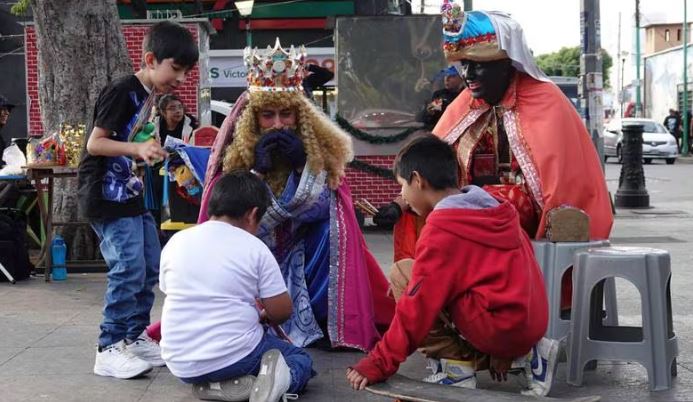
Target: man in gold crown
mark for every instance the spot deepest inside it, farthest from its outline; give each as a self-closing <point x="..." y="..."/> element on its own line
<point x="275" y="132"/>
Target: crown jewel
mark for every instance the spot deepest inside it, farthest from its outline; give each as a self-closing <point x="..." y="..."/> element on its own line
<point x="276" y="69"/>
<point x="452" y="16"/>
<point x="468" y="35"/>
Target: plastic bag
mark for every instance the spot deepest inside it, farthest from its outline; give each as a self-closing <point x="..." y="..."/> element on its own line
<point x="15" y="159"/>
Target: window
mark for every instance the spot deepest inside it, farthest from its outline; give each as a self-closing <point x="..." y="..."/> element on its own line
<point x="667" y="35"/>
<point x="678" y="35"/>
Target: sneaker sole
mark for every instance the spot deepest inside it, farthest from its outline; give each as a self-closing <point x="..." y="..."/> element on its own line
<point x="120" y="375"/>
<point x="552" y="364"/>
<point x="265" y="379"/>
<point x="154" y="363"/>
<point x="234" y="390"/>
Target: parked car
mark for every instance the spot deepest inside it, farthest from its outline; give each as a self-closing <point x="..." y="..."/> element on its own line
<point x="383" y="118"/>
<point x="657" y="142"/>
<point x="220" y="110"/>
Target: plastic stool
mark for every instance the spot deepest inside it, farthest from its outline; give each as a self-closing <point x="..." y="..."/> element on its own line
<point x="654" y="345"/>
<point x="554" y="260"/>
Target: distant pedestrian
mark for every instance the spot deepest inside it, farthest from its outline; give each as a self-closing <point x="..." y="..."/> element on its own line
<point x="5" y="110"/>
<point x="673" y="123"/>
<point x="454" y="84"/>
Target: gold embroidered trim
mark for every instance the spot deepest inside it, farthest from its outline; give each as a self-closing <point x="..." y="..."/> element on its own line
<point x="522" y="154"/>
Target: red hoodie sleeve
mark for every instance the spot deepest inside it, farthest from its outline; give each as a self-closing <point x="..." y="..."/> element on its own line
<point x="430" y="288"/>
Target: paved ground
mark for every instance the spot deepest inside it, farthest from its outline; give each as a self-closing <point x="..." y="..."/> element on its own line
<point x="47" y="331"/>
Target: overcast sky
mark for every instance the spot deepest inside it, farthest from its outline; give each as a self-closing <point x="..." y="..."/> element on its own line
<point x="552" y="24"/>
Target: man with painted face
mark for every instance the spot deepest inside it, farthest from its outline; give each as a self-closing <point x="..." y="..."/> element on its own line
<point x="514" y="132"/>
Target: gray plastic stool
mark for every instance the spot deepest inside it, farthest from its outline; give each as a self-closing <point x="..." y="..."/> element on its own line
<point x="554" y="260"/>
<point x="654" y="345"/>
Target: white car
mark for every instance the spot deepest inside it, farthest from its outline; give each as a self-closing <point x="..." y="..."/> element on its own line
<point x="220" y="110"/>
<point x="657" y="142"/>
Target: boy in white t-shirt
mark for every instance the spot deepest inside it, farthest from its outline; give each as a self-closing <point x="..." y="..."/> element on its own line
<point x="212" y="275"/>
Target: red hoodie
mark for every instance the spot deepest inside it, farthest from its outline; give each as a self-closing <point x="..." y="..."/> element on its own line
<point x="479" y="265"/>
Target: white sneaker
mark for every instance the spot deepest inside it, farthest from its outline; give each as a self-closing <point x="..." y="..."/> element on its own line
<point x="147" y="349"/>
<point x="541" y="367"/>
<point x="273" y="380"/>
<point x="456" y="373"/>
<point x="117" y="361"/>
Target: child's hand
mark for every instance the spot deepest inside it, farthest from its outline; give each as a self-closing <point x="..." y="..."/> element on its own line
<point x="498" y="368"/>
<point x="264" y="318"/>
<point x="150" y="152"/>
<point x="357" y="381"/>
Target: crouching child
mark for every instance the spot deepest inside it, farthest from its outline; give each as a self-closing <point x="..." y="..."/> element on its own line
<point x="213" y="276"/>
<point x="473" y="298"/>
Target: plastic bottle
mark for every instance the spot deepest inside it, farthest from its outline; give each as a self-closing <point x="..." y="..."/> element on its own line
<point x="58" y="256"/>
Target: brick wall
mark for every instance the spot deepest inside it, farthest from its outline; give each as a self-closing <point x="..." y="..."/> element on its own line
<point x="133" y="34"/>
<point x="374" y="188"/>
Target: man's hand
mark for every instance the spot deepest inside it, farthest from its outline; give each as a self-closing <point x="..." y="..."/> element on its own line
<point x="150" y="152"/>
<point x="498" y="368"/>
<point x="263" y="152"/>
<point x="402" y="204"/>
<point x="357" y="381"/>
<point x="292" y="147"/>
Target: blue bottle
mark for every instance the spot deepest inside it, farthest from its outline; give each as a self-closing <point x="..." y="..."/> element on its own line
<point x="58" y="256"/>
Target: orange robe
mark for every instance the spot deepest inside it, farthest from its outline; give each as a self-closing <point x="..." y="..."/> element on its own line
<point x="550" y="143"/>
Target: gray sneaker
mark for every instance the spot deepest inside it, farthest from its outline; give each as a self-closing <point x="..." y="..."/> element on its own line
<point x="273" y="380"/>
<point x="147" y="349"/>
<point x="233" y="390"/>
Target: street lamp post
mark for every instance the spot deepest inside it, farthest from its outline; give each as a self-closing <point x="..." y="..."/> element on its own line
<point x="623" y="56"/>
<point x="245" y="9"/>
<point x="686" y="123"/>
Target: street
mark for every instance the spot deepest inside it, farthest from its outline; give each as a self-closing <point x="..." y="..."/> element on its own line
<point x="48" y="330"/>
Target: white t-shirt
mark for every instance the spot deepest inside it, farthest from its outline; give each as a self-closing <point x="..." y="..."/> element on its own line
<point x="211" y="275"/>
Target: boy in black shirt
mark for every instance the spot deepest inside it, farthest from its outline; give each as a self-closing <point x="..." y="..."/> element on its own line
<point x="110" y="196"/>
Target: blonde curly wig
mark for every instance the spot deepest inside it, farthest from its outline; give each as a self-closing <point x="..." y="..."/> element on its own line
<point x="327" y="146"/>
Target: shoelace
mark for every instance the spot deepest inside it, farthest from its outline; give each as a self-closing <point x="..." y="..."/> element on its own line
<point x="123" y="350"/>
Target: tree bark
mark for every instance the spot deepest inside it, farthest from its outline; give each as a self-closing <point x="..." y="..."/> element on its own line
<point x="81" y="48"/>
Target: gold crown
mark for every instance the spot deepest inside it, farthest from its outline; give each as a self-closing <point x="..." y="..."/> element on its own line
<point x="276" y="69"/>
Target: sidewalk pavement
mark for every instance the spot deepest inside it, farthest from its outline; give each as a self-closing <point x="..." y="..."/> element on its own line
<point x="48" y="330"/>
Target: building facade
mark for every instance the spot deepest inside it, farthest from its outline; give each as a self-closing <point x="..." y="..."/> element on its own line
<point x="659" y="37"/>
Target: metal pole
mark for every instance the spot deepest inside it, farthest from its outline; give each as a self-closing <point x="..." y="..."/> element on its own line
<point x="686" y="123"/>
<point x="591" y="73"/>
<point x="423" y="6"/>
<point x="623" y="96"/>
<point x="638" y="105"/>
<point x="248" y="35"/>
<point x="468" y="5"/>
<point x="619" y="71"/>
<point x="632" y="192"/>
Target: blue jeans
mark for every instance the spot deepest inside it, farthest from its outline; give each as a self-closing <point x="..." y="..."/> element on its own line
<point x="131" y="249"/>
<point x="298" y="360"/>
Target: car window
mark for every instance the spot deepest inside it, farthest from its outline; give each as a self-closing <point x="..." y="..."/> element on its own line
<point x="217" y="119"/>
<point x="614" y="126"/>
<point x="650" y="127"/>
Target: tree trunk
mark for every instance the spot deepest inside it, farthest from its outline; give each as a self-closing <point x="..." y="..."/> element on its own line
<point x="81" y="48"/>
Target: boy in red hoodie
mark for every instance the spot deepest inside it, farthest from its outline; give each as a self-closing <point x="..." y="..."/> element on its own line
<point x="473" y="298"/>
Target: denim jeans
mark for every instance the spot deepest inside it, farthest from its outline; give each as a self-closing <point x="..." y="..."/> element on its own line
<point x="131" y="249"/>
<point x="298" y="360"/>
